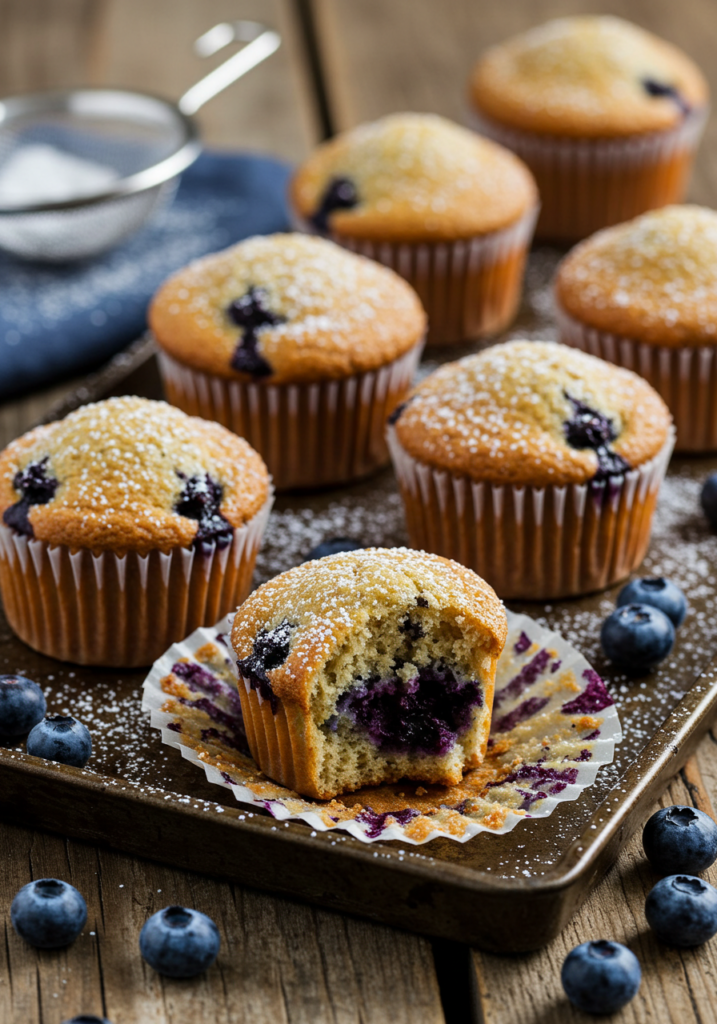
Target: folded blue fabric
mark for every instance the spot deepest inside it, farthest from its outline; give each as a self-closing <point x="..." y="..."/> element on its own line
<point x="57" y="321"/>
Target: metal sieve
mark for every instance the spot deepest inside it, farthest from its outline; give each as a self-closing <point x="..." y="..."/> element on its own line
<point x="136" y="143"/>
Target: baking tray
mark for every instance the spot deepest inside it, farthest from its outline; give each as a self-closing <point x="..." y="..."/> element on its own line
<point x="500" y="893"/>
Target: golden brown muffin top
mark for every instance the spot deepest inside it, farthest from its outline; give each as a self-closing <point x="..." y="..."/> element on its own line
<point x="587" y="76"/>
<point x="415" y="177"/>
<point x="313" y="608"/>
<point x="533" y="413"/>
<point x="129" y="474"/>
<point x="653" y="279"/>
<point x="282" y="309"/>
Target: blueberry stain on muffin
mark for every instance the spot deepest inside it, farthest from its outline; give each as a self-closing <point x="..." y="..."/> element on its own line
<point x="200" y="499"/>
<point x="271" y="649"/>
<point x="663" y="90"/>
<point x="339" y="194"/>
<point x="251" y="313"/>
<point x="36" y="488"/>
<point x="588" y="428"/>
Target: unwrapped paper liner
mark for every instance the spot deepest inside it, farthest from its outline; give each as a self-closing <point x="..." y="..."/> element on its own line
<point x="554" y="725"/>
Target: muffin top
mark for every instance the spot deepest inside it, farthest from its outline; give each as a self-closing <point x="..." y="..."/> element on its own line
<point x="533" y="413"/>
<point x="129" y="474"/>
<point x="303" y="617"/>
<point x="286" y="309"/>
<point x="653" y="279"/>
<point x="587" y="76"/>
<point x="412" y="178"/>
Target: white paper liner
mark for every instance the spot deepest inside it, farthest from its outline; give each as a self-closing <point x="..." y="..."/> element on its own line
<point x="686" y="377"/>
<point x="533" y="542"/>
<point x="572" y="208"/>
<point x="308" y="434"/>
<point x="554" y="726"/>
<point x="459" y="283"/>
<point x="120" y="611"/>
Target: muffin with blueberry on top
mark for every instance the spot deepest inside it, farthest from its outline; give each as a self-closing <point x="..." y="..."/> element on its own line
<point x="367" y="667"/>
<point x="606" y="115"/>
<point x="295" y="344"/>
<point x="124" y="527"/>
<point x="536" y="465"/>
<point x="451" y="212"/>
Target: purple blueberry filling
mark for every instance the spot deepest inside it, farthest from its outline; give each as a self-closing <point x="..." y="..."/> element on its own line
<point x="250" y="312"/>
<point x="528" y="675"/>
<point x="377" y="822"/>
<point x="200" y="499"/>
<point x="271" y="649"/>
<point x="522" y="644"/>
<point x="531" y="706"/>
<point x="340" y="194"/>
<point x="593" y="698"/>
<point x="662" y="89"/>
<point x="36" y="488"/>
<point x="423" y="716"/>
<point x="411" y="628"/>
<point x="588" y="428"/>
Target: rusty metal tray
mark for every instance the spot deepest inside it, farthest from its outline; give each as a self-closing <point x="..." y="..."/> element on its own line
<point x="501" y="893"/>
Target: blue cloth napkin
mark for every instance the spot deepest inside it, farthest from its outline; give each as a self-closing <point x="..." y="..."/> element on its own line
<point x="57" y="321"/>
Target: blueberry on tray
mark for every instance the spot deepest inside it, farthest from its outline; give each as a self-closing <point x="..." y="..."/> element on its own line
<point x="682" y="910"/>
<point x="22" y="705"/>
<point x="680" y="840"/>
<point x="637" y="637"/>
<point x="179" y="943"/>
<point x="658" y="592"/>
<point x="601" y="977"/>
<point x="333" y="546"/>
<point x="61" y="738"/>
<point x="48" y="913"/>
<point x="708" y="499"/>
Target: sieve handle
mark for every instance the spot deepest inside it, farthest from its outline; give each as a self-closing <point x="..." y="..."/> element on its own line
<point x="260" y="41"/>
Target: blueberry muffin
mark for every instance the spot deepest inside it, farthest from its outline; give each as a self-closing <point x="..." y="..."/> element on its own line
<point x="644" y="295"/>
<point x="295" y="344"/>
<point x="606" y="115"/>
<point x="450" y="211"/>
<point x="124" y="527"/>
<point x="536" y="465"/>
<point x="368" y="667"/>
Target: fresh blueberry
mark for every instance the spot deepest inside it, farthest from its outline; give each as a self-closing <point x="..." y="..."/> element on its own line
<point x="680" y="840"/>
<point x="637" y="637"/>
<point x="87" y="1018"/>
<point x="682" y="910"/>
<point x="48" y="913"/>
<point x="708" y="499"/>
<point x="179" y="943"/>
<point x="658" y="592"/>
<point x="333" y="546"/>
<point x="61" y="738"/>
<point x="601" y="977"/>
<point x="22" y="705"/>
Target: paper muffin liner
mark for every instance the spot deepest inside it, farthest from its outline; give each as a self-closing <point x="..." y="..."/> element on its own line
<point x="469" y="288"/>
<point x="121" y="611"/>
<point x="588" y="184"/>
<point x="533" y="543"/>
<point x="309" y="435"/>
<point x="554" y="725"/>
<point x="685" y="377"/>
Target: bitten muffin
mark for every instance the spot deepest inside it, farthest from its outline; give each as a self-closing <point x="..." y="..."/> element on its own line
<point x="605" y="114"/>
<point x="644" y="295"/>
<point x="450" y="211"/>
<point x="368" y="667"/>
<point x="534" y="464"/>
<point x="296" y="345"/>
<point x="124" y="527"/>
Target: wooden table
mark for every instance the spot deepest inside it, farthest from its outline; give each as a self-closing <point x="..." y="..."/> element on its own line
<point x="342" y="62"/>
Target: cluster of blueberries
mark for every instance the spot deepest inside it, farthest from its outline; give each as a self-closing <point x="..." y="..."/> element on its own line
<point x="641" y="631"/>
<point x="679" y="842"/>
<point x="55" y="738"/>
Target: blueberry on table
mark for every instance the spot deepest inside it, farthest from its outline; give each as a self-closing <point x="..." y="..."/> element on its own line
<point x="658" y="592"/>
<point x="22" y="705"/>
<point x="708" y="499"/>
<point x="334" y="546"/>
<point x="682" y="910"/>
<point x="61" y="738"/>
<point x="637" y="637"/>
<point x="48" y="913"/>
<point x="87" y="1018"/>
<point x="680" y="840"/>
<point x="179" y="943"/>
<point x="600" y="977"/>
